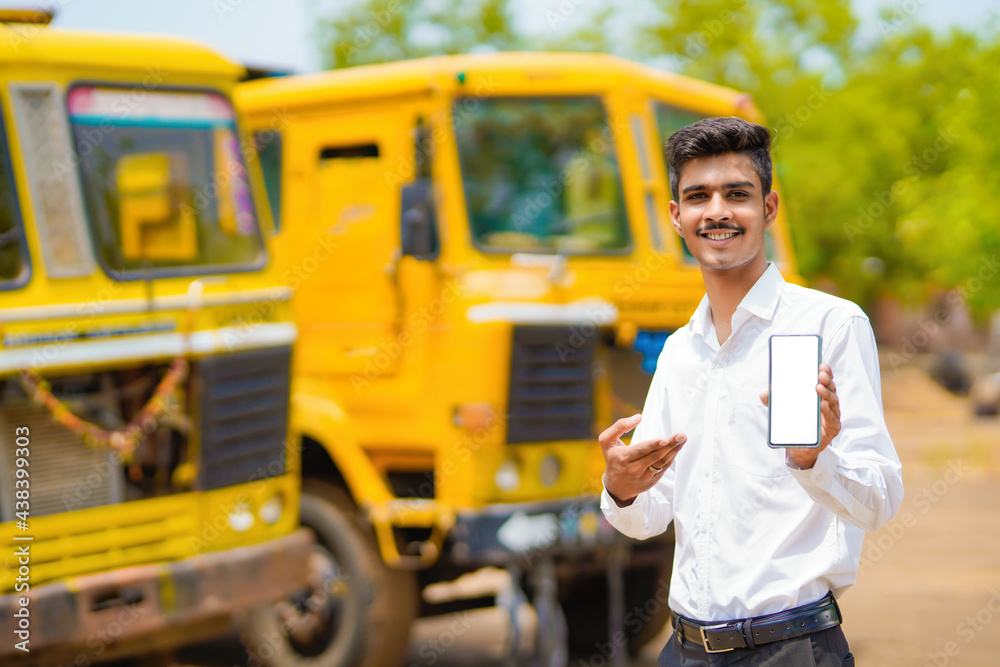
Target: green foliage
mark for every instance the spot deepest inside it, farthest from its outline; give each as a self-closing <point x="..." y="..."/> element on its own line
<point x="896" y="165"/>
<point x="884" y="143"/>
<point x="375" y="31"/>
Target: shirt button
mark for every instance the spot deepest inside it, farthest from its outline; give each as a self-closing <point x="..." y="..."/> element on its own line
<point x="704" y="528"/>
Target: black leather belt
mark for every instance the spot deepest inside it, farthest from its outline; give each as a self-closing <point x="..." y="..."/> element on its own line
<point x="751" y="632"/>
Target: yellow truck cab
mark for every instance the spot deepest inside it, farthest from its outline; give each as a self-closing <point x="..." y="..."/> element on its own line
<point x="146" y="496"/>
<point x="484" y="266"/>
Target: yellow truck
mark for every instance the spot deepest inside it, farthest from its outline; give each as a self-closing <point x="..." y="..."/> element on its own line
<point x="147" y="497"/>
<point x="484" y="266"/>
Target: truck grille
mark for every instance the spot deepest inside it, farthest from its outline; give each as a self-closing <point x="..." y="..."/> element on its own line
<point x="66" y="474"/>
<point x="98" y="539"/>
<point x="244" y="416"/>
<point x="551" y="385"/>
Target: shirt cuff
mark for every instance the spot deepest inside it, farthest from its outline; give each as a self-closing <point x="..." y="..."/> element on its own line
<point x="820" y="475"/>
<point x="625" y="519"/>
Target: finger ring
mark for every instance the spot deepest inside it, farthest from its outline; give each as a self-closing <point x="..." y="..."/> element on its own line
<point x="654" y="469"/>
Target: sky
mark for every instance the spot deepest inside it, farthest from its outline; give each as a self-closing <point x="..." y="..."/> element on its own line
<point x="280" y="34"/>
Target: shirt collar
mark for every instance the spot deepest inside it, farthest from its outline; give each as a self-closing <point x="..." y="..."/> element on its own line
<point x="761" y="300"/>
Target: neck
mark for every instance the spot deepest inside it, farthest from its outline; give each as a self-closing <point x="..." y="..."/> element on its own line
<point x="726" y="289"/>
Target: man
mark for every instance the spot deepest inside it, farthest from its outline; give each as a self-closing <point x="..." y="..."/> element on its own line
<point x="765" y="537"/>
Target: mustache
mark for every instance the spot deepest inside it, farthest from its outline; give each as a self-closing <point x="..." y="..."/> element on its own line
<point x="719" y="228"/>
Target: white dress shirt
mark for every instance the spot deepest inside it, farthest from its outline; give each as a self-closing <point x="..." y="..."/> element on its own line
<point x="755" y="535"/>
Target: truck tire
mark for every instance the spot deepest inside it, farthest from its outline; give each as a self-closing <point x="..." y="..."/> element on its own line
<point x="585" y="604"/>
<point x="356" y="612"/>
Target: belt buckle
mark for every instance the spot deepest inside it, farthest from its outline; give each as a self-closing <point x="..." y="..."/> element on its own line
<point x="704" y="638"/>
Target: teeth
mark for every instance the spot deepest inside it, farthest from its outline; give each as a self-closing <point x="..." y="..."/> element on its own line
<point x="720" y="237"/>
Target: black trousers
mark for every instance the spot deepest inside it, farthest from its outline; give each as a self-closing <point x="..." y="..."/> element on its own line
<point x="826" y="648"/>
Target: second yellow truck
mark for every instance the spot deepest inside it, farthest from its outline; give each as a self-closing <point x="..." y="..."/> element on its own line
<point x="483" y="261"/>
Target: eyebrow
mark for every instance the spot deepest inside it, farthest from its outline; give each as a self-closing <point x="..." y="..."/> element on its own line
<point x="727" y="186"/>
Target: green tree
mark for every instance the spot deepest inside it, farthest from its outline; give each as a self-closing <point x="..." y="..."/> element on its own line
<point x="376" y="31"/>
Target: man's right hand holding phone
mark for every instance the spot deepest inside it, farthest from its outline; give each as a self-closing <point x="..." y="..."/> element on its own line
<point x="632" y="469"/>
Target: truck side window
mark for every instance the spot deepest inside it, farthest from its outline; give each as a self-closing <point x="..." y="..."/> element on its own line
<point x="669" y="119"/>
<point x="268" y="144"/>
<point x="14" y="265"/>
<point x="418" y="230"/>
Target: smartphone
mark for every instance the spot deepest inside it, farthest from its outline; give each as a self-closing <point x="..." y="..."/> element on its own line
<point x="793" y="406"/>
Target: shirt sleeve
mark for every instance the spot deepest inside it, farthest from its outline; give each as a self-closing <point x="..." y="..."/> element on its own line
<point x="652" y="510"/>
<point x="858" y="476"/>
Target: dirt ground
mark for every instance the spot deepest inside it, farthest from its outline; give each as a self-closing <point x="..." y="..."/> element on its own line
<point x="928" y="593"/>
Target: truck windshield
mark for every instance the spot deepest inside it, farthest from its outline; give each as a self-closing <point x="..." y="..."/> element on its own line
<point x="540" y="175"/>
<point x="164" y="181"/>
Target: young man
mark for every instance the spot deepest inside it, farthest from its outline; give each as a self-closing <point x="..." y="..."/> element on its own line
<point x="765" y="537"/>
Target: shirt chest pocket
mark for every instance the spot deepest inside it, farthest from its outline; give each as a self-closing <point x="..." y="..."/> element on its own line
<point x="744" y="441"/>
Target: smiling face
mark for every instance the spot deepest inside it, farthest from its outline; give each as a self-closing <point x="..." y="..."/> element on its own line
<point x="721" y="213"/>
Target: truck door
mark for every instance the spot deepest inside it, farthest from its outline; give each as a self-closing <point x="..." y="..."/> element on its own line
<point x="343" y="246"/>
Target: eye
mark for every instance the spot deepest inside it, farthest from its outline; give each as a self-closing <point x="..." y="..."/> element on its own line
<point x="696" y="195"/>
<point x="738" y="193"/>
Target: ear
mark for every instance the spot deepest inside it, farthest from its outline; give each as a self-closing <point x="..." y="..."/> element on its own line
<point x="675" y="217"/>
<point x="770" y="208"/>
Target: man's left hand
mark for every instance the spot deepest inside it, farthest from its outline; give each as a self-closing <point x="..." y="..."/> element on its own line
<point x="805" y="457"/>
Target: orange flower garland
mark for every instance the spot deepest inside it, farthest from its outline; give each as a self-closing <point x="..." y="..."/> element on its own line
<point x="126" y="439"/>
<point x="123" y="440"/>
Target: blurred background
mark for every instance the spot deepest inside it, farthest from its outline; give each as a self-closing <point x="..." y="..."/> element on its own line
<point x="884" y="123"/>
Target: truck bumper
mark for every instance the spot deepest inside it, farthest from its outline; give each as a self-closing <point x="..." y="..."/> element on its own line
<point x="503" y="534"/>
<point x="151" y="607"/>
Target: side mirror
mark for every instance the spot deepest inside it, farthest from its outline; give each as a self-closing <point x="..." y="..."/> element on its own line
<point x="418" y="220"/>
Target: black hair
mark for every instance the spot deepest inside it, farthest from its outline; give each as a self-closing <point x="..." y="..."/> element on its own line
<point x="716" y="136"/>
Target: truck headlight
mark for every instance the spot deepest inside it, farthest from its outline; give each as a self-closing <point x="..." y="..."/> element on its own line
<point x="507" y="477"/>
<point x="549" y="470"/>
<point x="271" y="509"/>
<point x="240" y="518"/>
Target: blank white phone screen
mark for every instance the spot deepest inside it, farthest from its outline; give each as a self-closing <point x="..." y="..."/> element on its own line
<point x="794" y="403"/>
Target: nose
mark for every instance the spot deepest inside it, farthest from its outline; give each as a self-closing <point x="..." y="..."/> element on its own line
<point x="718" y="209"/>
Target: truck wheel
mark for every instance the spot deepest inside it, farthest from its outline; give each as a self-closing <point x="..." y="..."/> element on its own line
<point x="585" y="604"/>
<point x="356" y="611"/>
